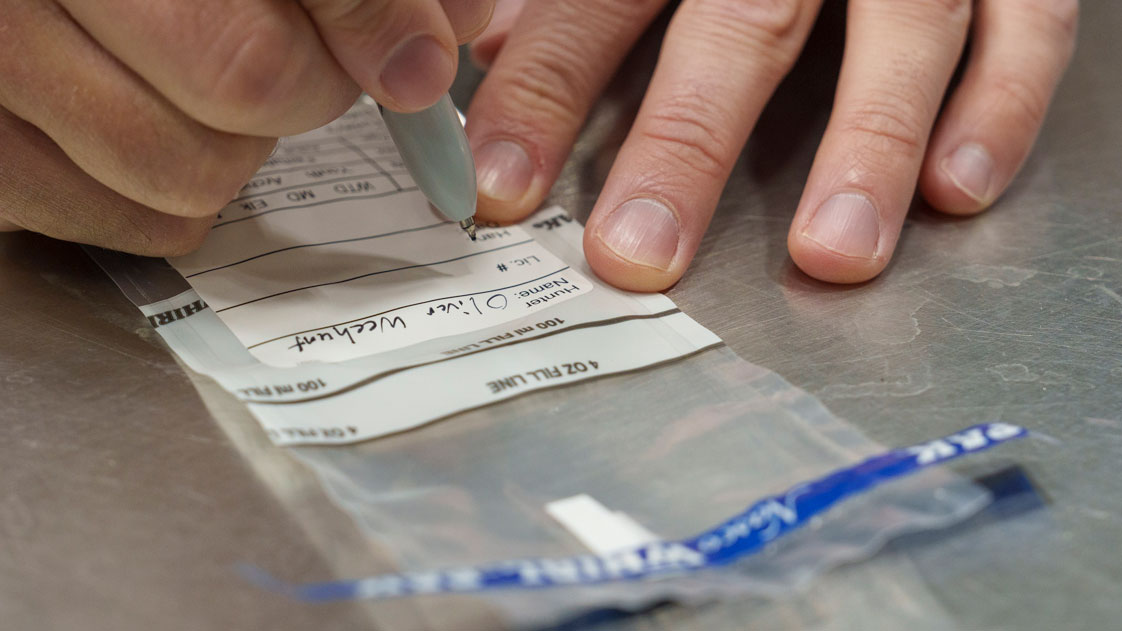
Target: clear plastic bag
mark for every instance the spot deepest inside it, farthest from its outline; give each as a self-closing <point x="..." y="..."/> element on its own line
<point x="678" y="442"/>
<point x="677" y="448"/>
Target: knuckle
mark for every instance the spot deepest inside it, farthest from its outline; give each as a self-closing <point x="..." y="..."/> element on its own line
<point x="206" y="189"/>
<point x="1067" y="14"/>
<point x="1021" y="96"/>
<point x="887" y="125"/>
<point x="192" y="205"/>
<point x="954" y="8"/>
<point x="551" y="82"/>
<point x="769" y="20"/>
<point x="362" y="18"/>
<point x="685" y="132"/>
<point x="628" y="9"/>
<point x="1062" y="15"/>
<point x="960" y="9"/>
<point x="601" y="22"/>
<point x="196" y="202"/>
<point x="942" y="15"/>
<point x="466" y="28"/>
<point x="174" y="236"/>
<point x="338" y="10"/>
<point x="250" y="65"/>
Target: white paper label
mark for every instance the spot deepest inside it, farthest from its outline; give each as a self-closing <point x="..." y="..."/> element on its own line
<point x="332" y="301"/>
<point x="330" y="254"/>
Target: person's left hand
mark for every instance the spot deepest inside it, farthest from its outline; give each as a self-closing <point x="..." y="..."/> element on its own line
<point x="720" y="61"/>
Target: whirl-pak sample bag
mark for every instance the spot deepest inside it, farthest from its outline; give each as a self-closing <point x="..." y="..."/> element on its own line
<point x="470" y="403"/>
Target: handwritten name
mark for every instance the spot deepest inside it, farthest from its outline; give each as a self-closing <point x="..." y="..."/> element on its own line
<point x="348" y="332"/>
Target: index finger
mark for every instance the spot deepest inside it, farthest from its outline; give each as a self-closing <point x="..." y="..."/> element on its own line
<point x="719" y="64"/>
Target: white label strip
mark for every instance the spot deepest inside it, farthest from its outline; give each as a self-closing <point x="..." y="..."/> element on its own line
<point x="331" y="258"/>
<point x="411" y="397"/>
<point x="332" y="403"/>
<point x="318" y="300"/>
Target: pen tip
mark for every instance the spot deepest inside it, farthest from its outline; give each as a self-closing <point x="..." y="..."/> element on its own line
<point x="468" y="226"/>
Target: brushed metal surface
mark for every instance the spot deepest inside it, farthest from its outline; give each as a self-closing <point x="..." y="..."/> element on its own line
<point x="123" y="500"/>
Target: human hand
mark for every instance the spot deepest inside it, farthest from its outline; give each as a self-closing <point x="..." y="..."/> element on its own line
<point x="720" y="61"/>
<point x="130" y="123"/>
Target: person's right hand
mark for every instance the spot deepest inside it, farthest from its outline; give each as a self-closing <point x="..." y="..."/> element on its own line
<point x="130" y="123"/>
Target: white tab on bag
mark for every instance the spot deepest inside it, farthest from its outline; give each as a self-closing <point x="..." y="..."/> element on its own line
<point x="601" y="530"/>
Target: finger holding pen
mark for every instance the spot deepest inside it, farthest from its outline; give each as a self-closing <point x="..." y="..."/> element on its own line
<point x="174" y="105"/>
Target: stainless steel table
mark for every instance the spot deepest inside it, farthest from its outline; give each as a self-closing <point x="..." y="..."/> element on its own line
<point x="124" y="495"/>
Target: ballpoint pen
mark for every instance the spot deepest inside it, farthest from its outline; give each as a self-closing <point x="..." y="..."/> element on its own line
<point x="435" y="150"/>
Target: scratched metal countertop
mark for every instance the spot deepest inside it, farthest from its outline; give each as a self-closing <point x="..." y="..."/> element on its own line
<point x="124" y="495"/>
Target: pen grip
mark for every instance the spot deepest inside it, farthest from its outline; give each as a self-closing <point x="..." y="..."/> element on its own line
<point x="435" y="151"/>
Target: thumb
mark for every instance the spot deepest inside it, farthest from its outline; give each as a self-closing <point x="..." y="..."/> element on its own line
<point x="401" y="52"/>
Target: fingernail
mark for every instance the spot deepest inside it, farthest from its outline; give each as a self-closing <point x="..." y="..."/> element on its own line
<point x="970" y="168"/>
<point x="418" y="72"/>
<point x="642" y="231"/>
<point x="848" y="224"/>
<point x="503" y="170"/>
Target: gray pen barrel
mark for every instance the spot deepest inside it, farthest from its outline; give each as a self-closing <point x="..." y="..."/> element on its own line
<point x="434" y="147"/>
